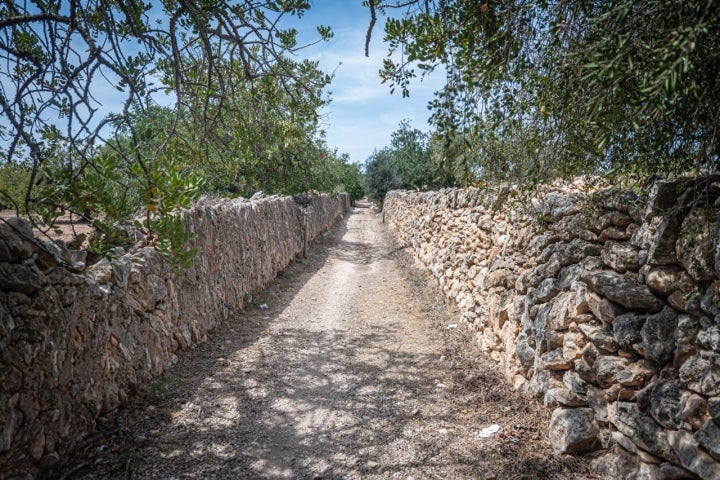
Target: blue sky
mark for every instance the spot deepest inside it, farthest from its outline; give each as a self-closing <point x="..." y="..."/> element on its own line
<point x="363" y="113"/>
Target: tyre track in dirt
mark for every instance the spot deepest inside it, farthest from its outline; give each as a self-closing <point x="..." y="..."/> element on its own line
<point x="350" y="372"/>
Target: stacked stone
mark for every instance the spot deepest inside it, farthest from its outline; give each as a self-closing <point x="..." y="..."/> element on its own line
<point x="603" y="305"/>
<point x="76" y="341"/>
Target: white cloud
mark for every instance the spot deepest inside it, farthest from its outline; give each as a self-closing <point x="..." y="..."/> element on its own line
<point x="363" y="113"/>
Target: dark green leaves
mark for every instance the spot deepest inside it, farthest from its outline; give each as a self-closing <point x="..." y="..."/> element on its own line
<point x="537" y="89"/>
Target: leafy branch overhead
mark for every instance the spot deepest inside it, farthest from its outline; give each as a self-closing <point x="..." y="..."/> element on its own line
<point x="222" y="65"/>
<point x="537" y="89"/>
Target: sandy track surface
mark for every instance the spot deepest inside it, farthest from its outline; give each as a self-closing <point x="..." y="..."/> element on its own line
<point x="350" y="372"/>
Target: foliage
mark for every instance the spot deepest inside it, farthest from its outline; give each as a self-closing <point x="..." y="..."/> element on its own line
<point x="266" y="137"/>
<point x="539" y="89"/>
<point x="242" y="111"/>
<point x="381" y="174"/>
<point x="352" y="179"/>
<point x="406" y="163"/>
<point x="13" y="180"/>
<point x="411" y="150"/>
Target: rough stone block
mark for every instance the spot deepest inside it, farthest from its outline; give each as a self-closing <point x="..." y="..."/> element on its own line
<point x="665" y="279"/>
<point x="19" y="278"/>
<point x="657" y="333"/>
<point x="665" y="398"/>
<point x="574" y="430"/>
<point x="554" y="360"/>
<point x="701" y="373"/>
<point x="619" y="289"/>
<point x="599" y="337"/>
<point x="642" y="429"/>
<point x="637" y="374"/>
<point x="697" y="242"/>
<point x="626" y="330"/>
<point x="621" y="257"/>
<point x="606" y="367"/>
<point x="692" y="457"/>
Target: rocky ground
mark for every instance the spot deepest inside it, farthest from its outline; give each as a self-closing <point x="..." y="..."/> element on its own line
<point x="349" y="366"/>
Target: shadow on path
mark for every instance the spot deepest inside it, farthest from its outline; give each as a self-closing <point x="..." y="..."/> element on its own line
<point x="350" y="372"/>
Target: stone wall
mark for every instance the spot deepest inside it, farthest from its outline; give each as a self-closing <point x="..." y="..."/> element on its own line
<point x="76" y="342"/>
<point x="602" y="304"/>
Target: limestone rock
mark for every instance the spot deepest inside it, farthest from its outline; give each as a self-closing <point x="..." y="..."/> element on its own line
<point x="665" y="403"/>
<point x="697" y="241"/>
<point x="687" y="330"/>
<point x="686" y="338"/>
<point x="555" y="315"/>
<point x="710" y="302"/>
<point x="602" y="308"/>
<point x="547" y="290"/>
<point x="586" y="372"/>
<point x="626" y="330"/>
<point x="709" y="438"/>
<point x="575" y="251"/>
<point x="701" y="373"/>
<point x="645" y="432"/>
<point x="714" y="409"/>
<point x="663" y="197"/>
<point x="553" y="339"/>
<point x="575" y="383"/>
<point x="648" y="472"/>
<point x="668" y="471"/>
<point x="666" y="279"/>
<point x="692" y="409"/>
<point x="603" y="220"/>
<point x="663" y="233"/>
<point x="619" y="289"/>
<point x="691" y="456"/>
<point x="618" y="201"/>
<point x="554" y="360"/>
<point x="569" y="275"/>
<point x="574" y="430"/>
<point x="549" y="269"/>
<point x="606" y="367"/>
<point x="618" y="464"/>
<point x="615" y="233"/>
<point x="710" y="338"/>
<point x="101" y="271"/>
<point x="658" y="343"/>
<point x="717" y="260"/>
<point x="625" y="442"/>
<point x="561" y="396"/>
<point x="590" y="353"/>
<point x="636" y="374"/>
<point x="14" y="240"/>
<point x="19" y="278"/>
<point x="525" y="353"/>
<point x="573" y="343"/>
<point x="599" y="404"/>
<point x="621" y="257"/>
<point x="599" y="337"/>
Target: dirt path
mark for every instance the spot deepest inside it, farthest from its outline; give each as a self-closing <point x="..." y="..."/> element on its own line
<point x="350" y="372"/>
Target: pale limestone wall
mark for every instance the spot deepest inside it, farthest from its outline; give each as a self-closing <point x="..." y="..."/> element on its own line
<point x="602" y="304"/>
<point x="77" y="342"/>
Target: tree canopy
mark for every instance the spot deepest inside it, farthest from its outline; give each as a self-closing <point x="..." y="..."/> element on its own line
<point x="537" y="89"/>
<point x="209" y="99"/>
<point x="407" y="163"/>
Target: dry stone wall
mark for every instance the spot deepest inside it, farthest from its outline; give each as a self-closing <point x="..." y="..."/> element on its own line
<point x="602" y="304"/>
<point x="76" y="342"/>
